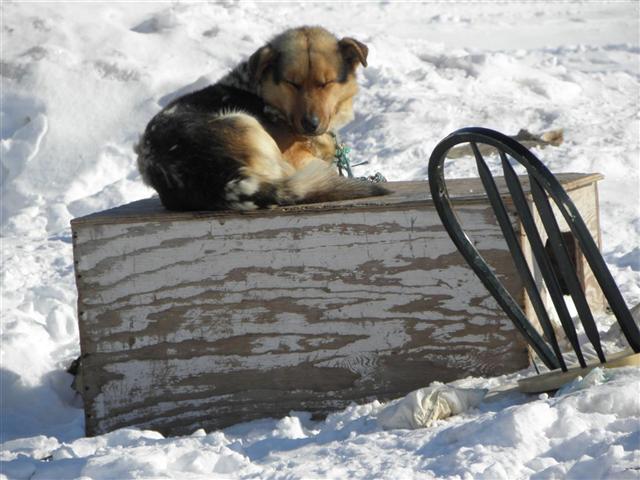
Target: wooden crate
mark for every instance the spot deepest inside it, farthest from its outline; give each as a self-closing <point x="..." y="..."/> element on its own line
<point x="205" y="319"/>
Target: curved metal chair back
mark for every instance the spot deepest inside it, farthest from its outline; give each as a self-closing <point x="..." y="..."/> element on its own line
<point x="544" y="187"/>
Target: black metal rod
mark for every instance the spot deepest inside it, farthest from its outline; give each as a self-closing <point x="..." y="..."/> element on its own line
<point x="526" y="218"/>
<point x="541" y="258"/>
<point x="592" y="254"/>
<point x="567" y="269"/>
<point x="580" y="231"/>
<point x="444" y="207"/>
<point x="551" y="186"/>
<point x="516" y="251"/>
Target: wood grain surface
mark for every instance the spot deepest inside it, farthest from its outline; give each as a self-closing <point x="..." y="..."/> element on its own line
<point x="202" y="320"/>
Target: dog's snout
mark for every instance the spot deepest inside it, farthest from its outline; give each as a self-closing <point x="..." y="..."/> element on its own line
<point x="310" y="123"/>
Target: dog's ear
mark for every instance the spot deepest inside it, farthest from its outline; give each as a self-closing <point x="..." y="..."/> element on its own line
<point x="353" y="50"/>
<point x="258" y="62"/>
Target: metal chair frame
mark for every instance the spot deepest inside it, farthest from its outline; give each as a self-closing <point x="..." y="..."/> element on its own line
<point x="544" y="186"/>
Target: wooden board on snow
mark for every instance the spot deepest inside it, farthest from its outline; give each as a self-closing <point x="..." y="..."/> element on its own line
<point x="203" y="319"/>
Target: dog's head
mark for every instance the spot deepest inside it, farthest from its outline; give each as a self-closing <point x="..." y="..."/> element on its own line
<point x="308" y="75"/>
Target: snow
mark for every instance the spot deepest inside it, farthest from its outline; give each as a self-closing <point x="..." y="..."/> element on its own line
<point x="79" y="83"/>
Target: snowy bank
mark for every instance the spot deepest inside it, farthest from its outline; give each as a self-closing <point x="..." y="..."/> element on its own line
<point x="79" y="83"/>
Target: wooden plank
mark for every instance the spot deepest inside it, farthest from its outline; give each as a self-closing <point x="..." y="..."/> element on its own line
<point x="551" y="381"/>
<point x="587" y="199"/>
<point x="204" y="319"/>
<point x="464" y="190"/>
<point x="210" y="322"/>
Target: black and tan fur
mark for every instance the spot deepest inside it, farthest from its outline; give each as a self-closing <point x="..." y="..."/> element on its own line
<point x="261" y="135"/>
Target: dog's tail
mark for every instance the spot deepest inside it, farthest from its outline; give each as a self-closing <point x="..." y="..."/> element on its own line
<point x="266" y="179"/>
<point x="318" y="182"/>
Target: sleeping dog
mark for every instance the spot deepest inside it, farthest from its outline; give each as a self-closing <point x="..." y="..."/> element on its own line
<point x="264" y="134"/>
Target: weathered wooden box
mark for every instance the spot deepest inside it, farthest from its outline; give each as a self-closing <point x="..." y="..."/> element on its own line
<point x="204" y="319"/>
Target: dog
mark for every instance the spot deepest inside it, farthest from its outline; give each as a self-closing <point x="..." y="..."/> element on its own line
<point x="263" y="135"/>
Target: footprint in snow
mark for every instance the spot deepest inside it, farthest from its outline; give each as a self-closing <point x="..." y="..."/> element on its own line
<point x="163" y="21"/>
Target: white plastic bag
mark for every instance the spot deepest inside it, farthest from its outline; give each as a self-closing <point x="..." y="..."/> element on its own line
<point x="421" y="408"/>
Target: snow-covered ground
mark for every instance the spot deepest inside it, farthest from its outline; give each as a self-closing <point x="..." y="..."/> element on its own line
<point x="79" y="83"/>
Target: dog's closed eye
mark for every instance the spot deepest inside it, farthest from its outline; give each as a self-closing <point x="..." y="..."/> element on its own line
<point x="326" y="84"/>
<point x="295" y="85"/>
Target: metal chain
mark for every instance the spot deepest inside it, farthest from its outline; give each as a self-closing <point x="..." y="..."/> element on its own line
<point x="343" y="162"/>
